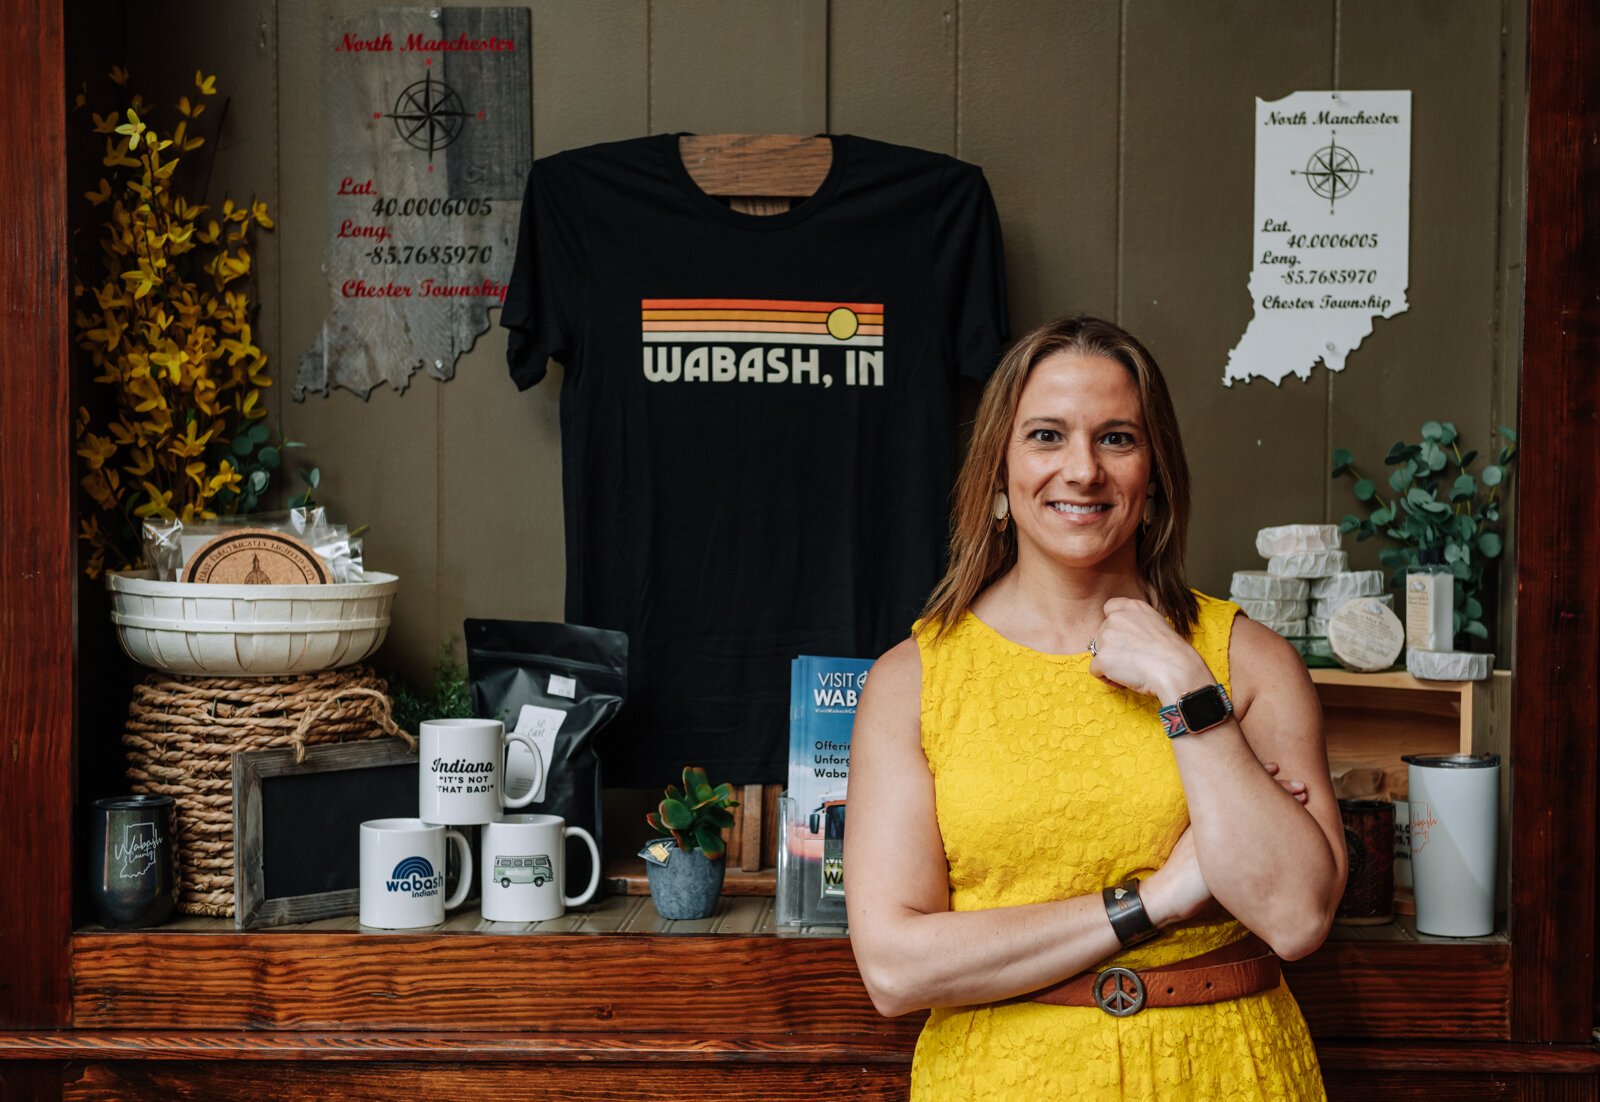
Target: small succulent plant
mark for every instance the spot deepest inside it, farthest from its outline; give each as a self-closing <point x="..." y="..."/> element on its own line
<point x="696" y="814"/>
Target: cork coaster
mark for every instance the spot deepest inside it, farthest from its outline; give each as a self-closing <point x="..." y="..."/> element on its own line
<point x="255" y="556"/>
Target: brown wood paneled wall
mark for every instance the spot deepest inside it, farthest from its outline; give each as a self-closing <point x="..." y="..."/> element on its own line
<point x="1118" y="139"/>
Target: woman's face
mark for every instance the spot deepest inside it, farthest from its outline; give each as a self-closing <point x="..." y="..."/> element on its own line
<point x="1078" y="463"/>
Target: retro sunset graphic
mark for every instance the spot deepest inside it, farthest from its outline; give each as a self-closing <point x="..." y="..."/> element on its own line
<point x="762" y="321"/>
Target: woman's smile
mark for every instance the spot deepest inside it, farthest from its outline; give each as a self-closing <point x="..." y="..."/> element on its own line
<point x="1075" y="513"/>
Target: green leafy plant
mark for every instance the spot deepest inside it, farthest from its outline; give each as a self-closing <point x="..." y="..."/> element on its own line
<point x="313" y="480"/>
<point x="1439" y="512"/>
<point x="255" y="457"/>
<point x="450" y="698"/>
<point x="696" y="814"/>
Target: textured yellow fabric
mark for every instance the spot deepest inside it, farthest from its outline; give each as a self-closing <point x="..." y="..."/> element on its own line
<point x="1052" y="784"/>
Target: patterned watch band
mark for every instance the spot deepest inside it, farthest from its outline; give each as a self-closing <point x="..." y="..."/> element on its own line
<point x="1172" y="723"/>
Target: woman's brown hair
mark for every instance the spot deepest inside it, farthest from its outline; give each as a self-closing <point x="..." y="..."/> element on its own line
<point x="979" y="554"/>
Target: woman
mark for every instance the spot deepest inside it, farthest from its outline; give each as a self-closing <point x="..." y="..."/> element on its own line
<point x="1019" y="815"/>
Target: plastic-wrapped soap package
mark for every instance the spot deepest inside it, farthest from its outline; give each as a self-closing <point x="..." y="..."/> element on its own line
<point x="1308" y="564"/>
<point x="1288" y="538"/>
<point x="1349" y="583"/>
<point x="1311" y="646"/>
<point x="1272" y="610"/>
<point x="1325" y="607"/>
<point x="1448" y="665"/>
<point x="1366" y="635"/>
<point x="1258" y="585"/>
<point x="1316" y="625"/>
<point x="170" y="544"/>
<point x="1292" y="628"/>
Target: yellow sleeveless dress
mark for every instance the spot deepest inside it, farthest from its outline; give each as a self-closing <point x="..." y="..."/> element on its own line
<point x="1051" y="784"/>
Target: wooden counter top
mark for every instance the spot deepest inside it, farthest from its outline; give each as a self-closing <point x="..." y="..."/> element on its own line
<point x="608" y="968"/>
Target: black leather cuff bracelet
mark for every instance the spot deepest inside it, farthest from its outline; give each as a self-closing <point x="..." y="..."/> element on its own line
<point x="1126" y="911"/>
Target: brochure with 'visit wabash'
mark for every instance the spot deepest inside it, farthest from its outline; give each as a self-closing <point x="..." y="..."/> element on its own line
<point x="823" y="693"/>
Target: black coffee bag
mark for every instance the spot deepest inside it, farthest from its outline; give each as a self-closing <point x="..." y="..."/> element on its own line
<point x="558" y="683"/>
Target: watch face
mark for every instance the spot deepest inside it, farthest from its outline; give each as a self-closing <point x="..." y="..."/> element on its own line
<point x="1203" y="708"/>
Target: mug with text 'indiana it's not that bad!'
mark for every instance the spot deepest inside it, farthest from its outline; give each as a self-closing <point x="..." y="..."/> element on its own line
<point x="402" y="873"/>
<point x="461" y="779"/>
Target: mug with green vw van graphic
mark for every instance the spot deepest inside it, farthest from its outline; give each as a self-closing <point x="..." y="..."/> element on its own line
<point x="523" y="868"/>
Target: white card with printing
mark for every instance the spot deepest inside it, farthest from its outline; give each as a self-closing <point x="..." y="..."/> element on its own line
<point x="540" y="725"/>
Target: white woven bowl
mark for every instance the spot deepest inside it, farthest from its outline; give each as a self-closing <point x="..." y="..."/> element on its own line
<point x="250" y="630"/>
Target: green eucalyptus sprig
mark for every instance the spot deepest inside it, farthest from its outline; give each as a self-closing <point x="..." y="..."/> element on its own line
<point x="255" y="458"/>
<point x="313" y="479"/>
<point x="1438" y="507"/>
<point x="696" y="814"/>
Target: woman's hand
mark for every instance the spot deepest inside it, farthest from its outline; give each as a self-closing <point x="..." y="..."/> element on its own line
<point x="1176" y="892"/>
<point x="1297" y="789"/>
<point x="1136" y="648"/>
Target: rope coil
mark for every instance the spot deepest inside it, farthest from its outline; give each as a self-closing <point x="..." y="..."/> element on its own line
<point x="182" y="733"/>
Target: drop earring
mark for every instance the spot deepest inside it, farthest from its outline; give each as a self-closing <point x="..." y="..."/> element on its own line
<point x="1001" y="508"/>
<point x="1150" y="507"/>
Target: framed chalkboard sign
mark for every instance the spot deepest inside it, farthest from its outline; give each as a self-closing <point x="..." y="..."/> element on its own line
<point x="296" y="826"/>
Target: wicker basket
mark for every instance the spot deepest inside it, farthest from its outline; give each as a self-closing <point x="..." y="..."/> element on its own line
<point x="182" y="734"/>
<point x="207" y="630"/>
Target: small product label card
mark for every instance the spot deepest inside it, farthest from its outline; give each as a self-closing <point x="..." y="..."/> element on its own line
<point x="659" y="851"/>
<point x="540" y="725"/>
<point x="563" y="686"/>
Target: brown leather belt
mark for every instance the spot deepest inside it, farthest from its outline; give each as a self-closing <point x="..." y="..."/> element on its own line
<point x="1246" y="967"/>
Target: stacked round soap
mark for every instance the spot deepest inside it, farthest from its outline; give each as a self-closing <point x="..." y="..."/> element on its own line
<point x="1365" y="635"/>
<point x="1287" y="539"/>
<point x="1278" y="602"/>
<point x="1347" y="584"/>
<point x="1328" y="594"/>
<point x="1280" y="597"/>
<point x="1447" y="665"/>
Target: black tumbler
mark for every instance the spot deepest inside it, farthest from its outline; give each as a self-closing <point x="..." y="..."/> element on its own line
<point x="131" y="861"/>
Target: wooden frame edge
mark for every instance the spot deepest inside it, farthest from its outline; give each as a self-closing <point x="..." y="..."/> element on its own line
<point x="1554" y="728"/>
<point x="251" y="907"/>
<point x="38" y="560"/>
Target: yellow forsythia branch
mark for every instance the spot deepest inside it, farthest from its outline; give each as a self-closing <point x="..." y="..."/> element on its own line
<point x="165" y="323"/>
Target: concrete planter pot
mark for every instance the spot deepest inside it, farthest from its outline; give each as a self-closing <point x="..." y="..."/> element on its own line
<point x="688" y="886"/>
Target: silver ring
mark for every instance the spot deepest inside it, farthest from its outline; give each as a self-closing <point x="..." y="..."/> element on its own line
<point x="1094" y="651"/>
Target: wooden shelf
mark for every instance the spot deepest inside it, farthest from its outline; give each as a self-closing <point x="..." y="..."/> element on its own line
<point x="595" y="970"/>
<point x="1370" y="720"/>
<point x="627" y="876"/>
<point x="1468" y="717"/>
<point x="608" y="914"/>
<point x="625" y="914"/>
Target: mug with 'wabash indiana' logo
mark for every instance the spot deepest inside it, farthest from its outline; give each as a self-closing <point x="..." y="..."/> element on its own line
<point x="402" y="873"/>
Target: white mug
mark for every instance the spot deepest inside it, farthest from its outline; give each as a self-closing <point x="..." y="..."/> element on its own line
<point x="461" y="776"/>
<point x="524" y="868"/>
<point x="402" y="873"/>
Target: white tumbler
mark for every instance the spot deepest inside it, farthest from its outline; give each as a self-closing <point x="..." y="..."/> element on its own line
<point x="1455" y="808"/>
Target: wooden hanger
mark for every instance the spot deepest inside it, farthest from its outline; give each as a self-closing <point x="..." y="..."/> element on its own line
<point x="759" y="173"/>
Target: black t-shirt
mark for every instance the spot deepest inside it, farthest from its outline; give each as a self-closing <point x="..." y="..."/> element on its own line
<point x="756" y="421"/>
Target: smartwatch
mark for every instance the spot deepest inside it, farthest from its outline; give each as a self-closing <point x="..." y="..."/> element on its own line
<point x="1197" y="711"/>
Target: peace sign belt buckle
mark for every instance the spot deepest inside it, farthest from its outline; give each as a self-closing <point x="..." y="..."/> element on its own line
<point x="1119" y="992"/>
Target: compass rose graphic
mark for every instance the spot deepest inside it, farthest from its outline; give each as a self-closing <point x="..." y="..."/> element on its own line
<point x="429" y="115"/>
<point x="1333" y="171"/>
